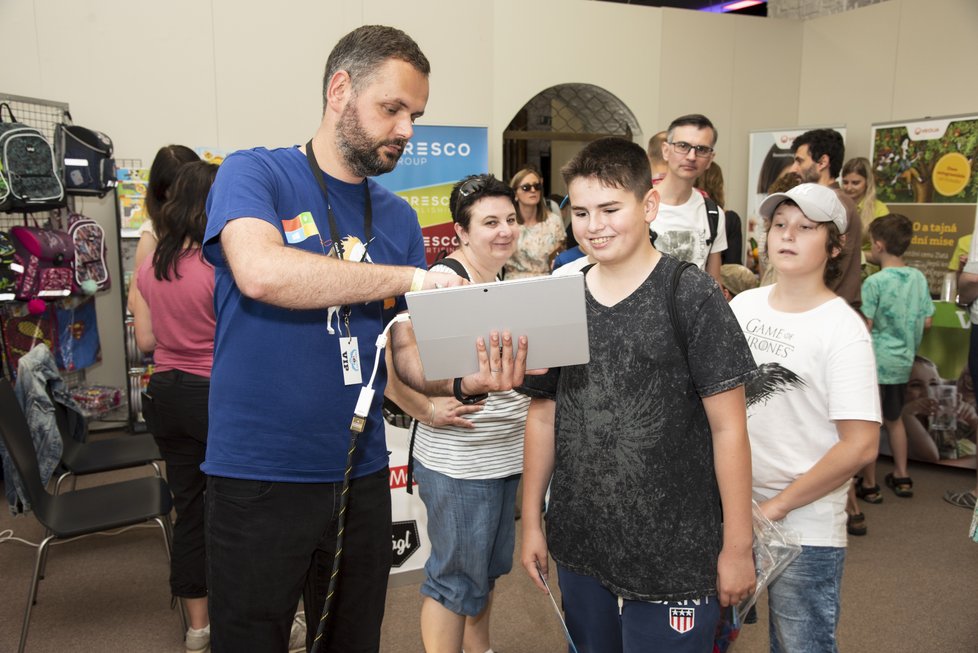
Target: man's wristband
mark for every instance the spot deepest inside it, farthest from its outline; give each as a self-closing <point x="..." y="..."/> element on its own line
<point x="467" y="399"/>
<point x="417" y="281"/>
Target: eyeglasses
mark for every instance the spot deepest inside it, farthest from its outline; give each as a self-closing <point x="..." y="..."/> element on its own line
<point x="526" y="188"/>
<point x="702" y="151"/>
<point x="470" y="187"/>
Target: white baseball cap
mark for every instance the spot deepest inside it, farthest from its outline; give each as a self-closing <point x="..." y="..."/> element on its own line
<point x="818" y="203"/>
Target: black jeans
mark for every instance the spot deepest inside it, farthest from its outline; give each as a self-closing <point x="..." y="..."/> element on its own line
<point x="177" y="417"/>
<point x="268" y="542"/>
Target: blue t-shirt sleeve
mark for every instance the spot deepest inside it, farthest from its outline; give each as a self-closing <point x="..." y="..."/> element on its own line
<point x="244" y="187"/>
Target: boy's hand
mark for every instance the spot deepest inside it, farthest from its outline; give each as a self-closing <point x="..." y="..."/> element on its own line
<point x="534" y="553"/>
<point x="498" y="370"/>
<point x="736" y="579"/>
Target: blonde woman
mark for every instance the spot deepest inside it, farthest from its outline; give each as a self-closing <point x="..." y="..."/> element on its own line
<point x="541" y="232"/>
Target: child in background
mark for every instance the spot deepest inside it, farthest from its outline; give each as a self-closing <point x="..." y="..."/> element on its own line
<point x="645" y="444"/>
<point x="812" y="411"/>
<point x="897" y="307"/>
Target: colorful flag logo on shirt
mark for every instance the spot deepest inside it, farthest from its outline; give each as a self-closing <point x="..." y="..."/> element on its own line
<point x="681" y="619"/>
<point x="299" y="228"/>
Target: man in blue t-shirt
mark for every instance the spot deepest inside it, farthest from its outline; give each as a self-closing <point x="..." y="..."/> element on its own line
<point x="311" y="258"/>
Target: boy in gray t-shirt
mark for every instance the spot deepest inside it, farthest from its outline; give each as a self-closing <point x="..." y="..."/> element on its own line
<point x="646" y="443"/>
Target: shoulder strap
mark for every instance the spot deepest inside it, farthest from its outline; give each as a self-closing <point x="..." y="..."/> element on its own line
<point x="677" y="328"/>
<point x="454" y="266"/>
<point x="713" y="217"/>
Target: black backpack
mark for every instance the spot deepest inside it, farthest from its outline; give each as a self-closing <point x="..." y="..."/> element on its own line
<point x="86" y="159"/>
<point x="31" y="181"/>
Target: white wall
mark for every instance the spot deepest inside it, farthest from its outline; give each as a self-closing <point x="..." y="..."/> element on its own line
<point x="239" y="73"/>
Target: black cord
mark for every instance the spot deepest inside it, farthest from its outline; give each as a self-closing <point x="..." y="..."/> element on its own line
<point x="340" y="527"/>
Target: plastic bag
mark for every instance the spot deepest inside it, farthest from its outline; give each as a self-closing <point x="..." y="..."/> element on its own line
<point x="774" y="548"/>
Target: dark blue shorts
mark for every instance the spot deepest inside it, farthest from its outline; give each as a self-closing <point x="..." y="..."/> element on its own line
<point x="600" y="622"/>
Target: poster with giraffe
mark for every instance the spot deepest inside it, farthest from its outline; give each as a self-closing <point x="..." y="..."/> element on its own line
<point x="925" y="169"/>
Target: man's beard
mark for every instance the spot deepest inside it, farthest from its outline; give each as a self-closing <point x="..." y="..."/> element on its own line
<point x="811" y="175"/>
<point x="359" y="151"/>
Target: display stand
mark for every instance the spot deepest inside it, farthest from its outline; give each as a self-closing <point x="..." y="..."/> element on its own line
<point x="138" y="365"/>
<point x="43" y="115"/>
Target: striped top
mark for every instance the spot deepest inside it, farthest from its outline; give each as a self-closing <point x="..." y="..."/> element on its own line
<point x="493" y="449"/>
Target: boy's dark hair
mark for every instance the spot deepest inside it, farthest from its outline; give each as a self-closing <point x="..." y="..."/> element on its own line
<point x="894" y="230"/>
<point x="361" y="52"/>
<point x="821" y="142"/>
<point x="472" y="189"/>
<point x="183" y="218"/>
<point x="166" y="163"/>
<point x="697" y="120"/>
<point x="834" y="241"/>
<point x="615" y="162"/>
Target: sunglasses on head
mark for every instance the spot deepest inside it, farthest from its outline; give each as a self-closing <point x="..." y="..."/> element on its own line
<point x="526" y="188"/>
<point x="468" y="188"/>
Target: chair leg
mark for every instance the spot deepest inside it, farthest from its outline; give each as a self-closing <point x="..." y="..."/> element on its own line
<point x="32" y="593"/>
<point x="42" y="567"/>
<point x="164" y="522"/>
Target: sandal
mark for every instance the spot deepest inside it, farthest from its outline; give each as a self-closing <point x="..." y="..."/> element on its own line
<point x="856" y="524"/>
<point x="871" y="494"/>
<point x="964" y="500"/>
<point x="902" y="487"/>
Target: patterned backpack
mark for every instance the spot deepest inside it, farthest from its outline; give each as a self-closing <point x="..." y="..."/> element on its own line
<point x="28" y="168"/>
<point x="46" y="256"/>
<point x="90" y="265"/>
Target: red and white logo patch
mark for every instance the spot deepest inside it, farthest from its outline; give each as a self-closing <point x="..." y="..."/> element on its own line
<point x="681" y="619"/>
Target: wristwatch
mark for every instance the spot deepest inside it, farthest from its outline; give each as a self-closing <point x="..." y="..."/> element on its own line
<point x="467" y="399"/>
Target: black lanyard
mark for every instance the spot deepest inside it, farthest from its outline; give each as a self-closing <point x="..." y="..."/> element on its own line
<point x="333" y="230"/>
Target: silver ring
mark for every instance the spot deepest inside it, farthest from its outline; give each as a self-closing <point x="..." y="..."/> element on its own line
<point x="495" y="371"/>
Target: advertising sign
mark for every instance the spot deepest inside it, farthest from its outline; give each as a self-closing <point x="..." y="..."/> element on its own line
<point x="925" y="170"/>
<point x="434" y="159"/>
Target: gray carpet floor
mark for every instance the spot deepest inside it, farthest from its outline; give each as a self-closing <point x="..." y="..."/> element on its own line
<point x="910" y="585"/>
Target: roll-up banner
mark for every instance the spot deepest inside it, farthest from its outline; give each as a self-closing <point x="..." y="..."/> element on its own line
<point x="925" y="170"/>
<point x="435" y="158"/>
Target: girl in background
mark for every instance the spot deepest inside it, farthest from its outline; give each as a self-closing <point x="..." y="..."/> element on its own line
<point x="173" y="307"/>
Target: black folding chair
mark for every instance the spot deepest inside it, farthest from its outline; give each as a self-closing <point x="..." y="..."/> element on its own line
<point x="89" y="510"/>
<point x="82" y="458"/>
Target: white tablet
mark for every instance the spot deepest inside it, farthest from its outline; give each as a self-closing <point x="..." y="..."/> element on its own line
<point x="549" y="311"/>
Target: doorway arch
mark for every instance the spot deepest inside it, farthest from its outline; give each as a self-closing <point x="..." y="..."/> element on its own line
<point x="557" y="122"/>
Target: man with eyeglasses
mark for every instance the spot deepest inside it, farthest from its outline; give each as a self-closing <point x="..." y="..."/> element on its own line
<point x="684" y="227"/>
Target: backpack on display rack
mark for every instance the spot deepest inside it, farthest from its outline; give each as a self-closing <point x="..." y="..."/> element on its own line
<point x="9" y="271"/>
<point x="85" y="156"/>
<point x="28" y="168"/>
<point x="46" y="256"/>
<point x="90" y="265"/>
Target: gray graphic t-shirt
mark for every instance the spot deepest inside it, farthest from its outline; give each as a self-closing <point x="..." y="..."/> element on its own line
<point x="634" y="499"/>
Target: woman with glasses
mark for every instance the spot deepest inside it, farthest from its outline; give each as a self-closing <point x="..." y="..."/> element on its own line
<point x="541" y="232"/>
<point x="468" y="459"/>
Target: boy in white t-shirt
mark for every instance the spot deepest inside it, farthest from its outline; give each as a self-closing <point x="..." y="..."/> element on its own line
<point x="813" y="410"/>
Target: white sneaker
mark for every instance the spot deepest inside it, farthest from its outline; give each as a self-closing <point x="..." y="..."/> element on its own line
<point x="198" y="640"/>
<point x="297" y="638"/>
